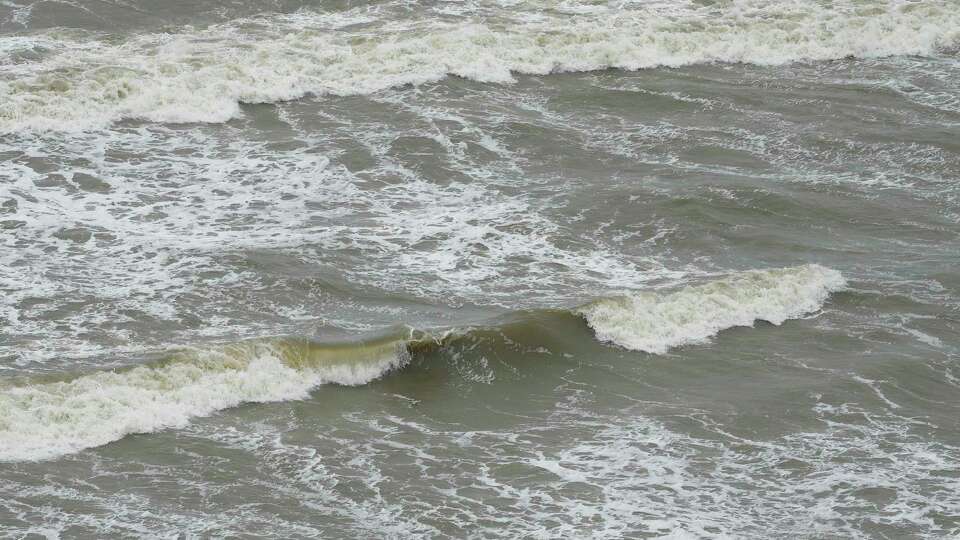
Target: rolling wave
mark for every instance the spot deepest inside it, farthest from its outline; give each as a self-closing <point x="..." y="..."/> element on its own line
<point x="49" y="419"/>
<point x="58" y="80"/>
<point x="43" y="419"/>
<point x="654" y="323"/>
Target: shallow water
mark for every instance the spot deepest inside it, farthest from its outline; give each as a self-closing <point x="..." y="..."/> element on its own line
<point x="437" y="269"/>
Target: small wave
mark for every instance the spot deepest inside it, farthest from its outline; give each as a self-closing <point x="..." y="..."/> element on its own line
<point x="203" y="75"/>
<point x="654" y="323"/>
<point x="43" y="419"/>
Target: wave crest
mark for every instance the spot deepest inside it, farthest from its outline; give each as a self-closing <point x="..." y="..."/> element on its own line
<point x="654" y="323"/>
<point x="43" y="419"/>
<point x="51" y="419"/>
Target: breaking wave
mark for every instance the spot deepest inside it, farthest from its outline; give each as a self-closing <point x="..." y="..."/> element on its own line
<point x="43" y="418"/>
<point x="61" y="80"/>
<point x="654" y="322"/>
<point x="50" y="419"/>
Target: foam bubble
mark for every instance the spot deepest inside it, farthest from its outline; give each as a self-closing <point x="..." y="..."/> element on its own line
<point x="654" y="322"/>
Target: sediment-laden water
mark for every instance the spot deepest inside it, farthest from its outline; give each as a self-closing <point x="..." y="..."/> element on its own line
<point x="400" y="269"/>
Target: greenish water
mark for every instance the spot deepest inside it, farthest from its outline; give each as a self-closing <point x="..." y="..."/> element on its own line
<point x="545" y="270"/>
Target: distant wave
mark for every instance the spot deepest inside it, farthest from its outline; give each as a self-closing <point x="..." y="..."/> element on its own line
<point x="61" y="81"/>
<point x="43" y="418"/>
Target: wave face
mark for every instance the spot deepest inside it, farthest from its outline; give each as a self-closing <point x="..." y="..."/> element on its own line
<point x="68" y="81"/>
<point x="47" y="420"/>
<point x="656" y="322"/>
<point x="43" y="420"/>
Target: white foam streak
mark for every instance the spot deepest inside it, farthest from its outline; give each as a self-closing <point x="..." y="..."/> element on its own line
<point x="203" y="75"/>
<point x="43" y="421"/>
<point x="655" y="323"/>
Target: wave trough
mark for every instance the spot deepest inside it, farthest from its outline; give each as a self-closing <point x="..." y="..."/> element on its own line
<point x="203" y="75"/>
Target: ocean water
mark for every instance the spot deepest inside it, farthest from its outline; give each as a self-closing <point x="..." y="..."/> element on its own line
<point x="459" y="269"/>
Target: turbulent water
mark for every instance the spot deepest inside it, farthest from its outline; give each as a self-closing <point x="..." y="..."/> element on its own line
<point x="436" y="269"/>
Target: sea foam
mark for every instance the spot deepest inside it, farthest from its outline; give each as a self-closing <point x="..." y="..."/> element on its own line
<point x="654" y="323"/>
<point x="202" y="75"/>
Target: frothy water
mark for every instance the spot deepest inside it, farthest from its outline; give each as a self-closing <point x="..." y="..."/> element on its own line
<point x="203" y="75"/>
<point x="653" y="323"/>
<point x="424" y="269"/>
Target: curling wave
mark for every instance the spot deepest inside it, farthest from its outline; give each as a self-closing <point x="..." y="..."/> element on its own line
<point x="203" y="75"/>
<point x="42" y="419"/>
<point x="49" y="419"/>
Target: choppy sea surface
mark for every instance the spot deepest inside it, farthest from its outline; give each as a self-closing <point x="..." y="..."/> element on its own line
<point x="462" y="269"/>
